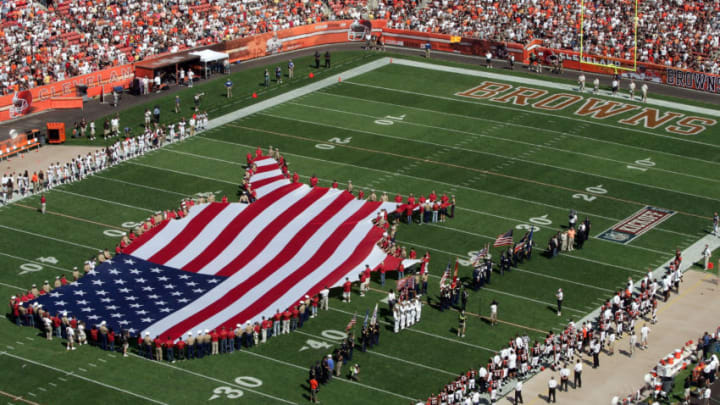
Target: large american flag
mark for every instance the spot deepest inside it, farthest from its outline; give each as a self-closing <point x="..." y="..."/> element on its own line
<point x="225" y="264"/>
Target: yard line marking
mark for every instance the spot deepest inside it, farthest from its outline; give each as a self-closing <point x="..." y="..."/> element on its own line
<point x="527" y="111"/>
<point x="212" y="378"/>
<point x="337" y="379"/>
<point x="24" y="259"/>
<point x="440" y="226"/>
<point x="515" y="268"/>
<point x="386" y="356"/>
<point x="183" y="173"/>
<point x="415" y="330"/>
<point x="102" y="200"/>
<point x="50" y="238"/>
<point x="536" y="129"/>
<point x="81" y="377"/>
<point x="17" y="398"/>
<point x="69" y="216"/>
<point x="564" y="209"/>
<point x="140" y="185"/>
<point x="509" y="158"/>
<point x="470" y="169"/>
<point x="13" y="286"/>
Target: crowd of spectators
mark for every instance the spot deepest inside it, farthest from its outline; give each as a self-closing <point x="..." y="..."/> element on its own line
<point x="69" y="38"/>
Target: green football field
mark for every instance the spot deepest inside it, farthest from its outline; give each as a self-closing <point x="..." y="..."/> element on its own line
<point x="398" y="129"/>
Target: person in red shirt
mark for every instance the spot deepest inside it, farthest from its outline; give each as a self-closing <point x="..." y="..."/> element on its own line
<point x="398" y="199"/>
<point x="334" y="184"/>
<point x="111" y="340"/>
<point x="401" y="271"/>
<point x="249" y="159"/>
<point x="277" y="323"/>
<point x="314" y="388"/>
<point x="363" y="279"/>
<point x="432" y="197"/>
<point x="314" y="305"/>
<point x="295" y="318"/>
<point x="313" y="180"/>
<point x="180" y="346"/>
<point x="361" y="195"/>
<point x="215" y="338"/>
<point x="43" y="203"/>
<point x="118" y="249"/>
<point x="57" y="325"/>
<point x="224" y="199"/>
<point x="223" y="340"/>
<point x="286" y="321"/>
<point x="266" y="324"/>
<point x="158" y="348"/>
<point x="258" y="152"/>
<point x="170" y="350"/>
<point x="382" y="273"/>
<point x="295" y="177"/>
<point x="346" y="290"/>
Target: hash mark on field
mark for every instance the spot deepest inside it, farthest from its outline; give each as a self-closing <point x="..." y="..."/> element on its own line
<point x="62" y="379"/>
<point x="91" y="365"/>
<point x="41" y="389"/>
<point x="82" y="369"/>
<point x="30" y="393"/>
<point x="19" y="342"/>
<point x="53" y="384"/>
<point x="28" y="338"/>
<point x="103" y="360"/>
<point x="10" y="347"/>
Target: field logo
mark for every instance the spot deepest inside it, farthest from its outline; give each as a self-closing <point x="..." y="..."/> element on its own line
<point x="637" y="224"/>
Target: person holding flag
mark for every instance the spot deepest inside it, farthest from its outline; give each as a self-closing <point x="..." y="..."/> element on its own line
<point x="505" y="239"/>
<point x="352" y="323"/>
<point x="462" y="323"/>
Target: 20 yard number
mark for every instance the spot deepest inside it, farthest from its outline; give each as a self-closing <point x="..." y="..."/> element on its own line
<point x="329" y="146"/>
<point x="596" y="190"/>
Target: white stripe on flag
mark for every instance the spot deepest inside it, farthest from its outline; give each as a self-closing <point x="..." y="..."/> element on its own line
<point x="264" y="161"/>
<point x="248" y="234"/>
<point x="269" y="188"/>
<point x="168" y="233"/>
<point x="204" y="238"/>
<point x="266" y="175"/>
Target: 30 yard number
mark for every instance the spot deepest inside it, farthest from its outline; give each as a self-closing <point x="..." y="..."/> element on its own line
<point x="234" y="393"/>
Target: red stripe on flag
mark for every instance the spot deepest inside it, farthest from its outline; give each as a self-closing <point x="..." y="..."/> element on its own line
<point x="264" y="182"/>
<point x="323" y="253"/>
<point x="188" y="233"/>
<point x="263" y="238"/>
<point x="267" y="168"/>
<point x="146" y="236"/>
<point x="236" y="226"/>
<point x="291" y="249"/>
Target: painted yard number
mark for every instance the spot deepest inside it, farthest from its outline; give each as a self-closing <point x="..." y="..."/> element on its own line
<point x="542" y="220"/>
<point x="234" y="393"/>
<point x="389" y="120"/>
<point x="330" y="334"/>
<point x="116" y="233"/>
<point x="339" y="141"/>
<point x="642" y="165"/>
<point x="33" y="267"/>
<point x="598" y="190"/>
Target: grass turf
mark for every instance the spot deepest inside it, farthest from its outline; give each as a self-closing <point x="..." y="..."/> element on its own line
<point x="509" y="168"/>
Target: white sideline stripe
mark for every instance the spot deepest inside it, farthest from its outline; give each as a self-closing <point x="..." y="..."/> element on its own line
<point x="138" y="185"/>
<point x="480" y="135"/>
<point x="182" y="173"/>
<point x="59" y="190"/>
<point x="474" y="151"/>
<point x="442" y="227"/>
<point x="273" y="101"/>
<point x="516" y="268"/>
<point x="36" y="262"/>
<point x="82" y="378"/>
<point x="50" y="238"/>
<point x="416" y="330"/>
<point x="212" y="379"/>
<point x="336" y="379"/>
<point x="564" y="209"/>
<point x="386" y="356"/>
<point x="542" y="83"/>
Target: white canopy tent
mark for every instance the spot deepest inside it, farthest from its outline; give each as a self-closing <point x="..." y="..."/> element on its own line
<point x="210" y="56"/>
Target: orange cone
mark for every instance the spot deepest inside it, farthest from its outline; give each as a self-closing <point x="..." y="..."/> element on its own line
<point x="254" y="95"/>
<point x="311" y="75"/>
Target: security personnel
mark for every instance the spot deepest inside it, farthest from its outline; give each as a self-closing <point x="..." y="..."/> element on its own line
<point x="577" y="379"/>
<point x="317" y="59"/>
<point x="462" y="319"/>
<point x="327" y="59"/>
<point x="552" y="386"/>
